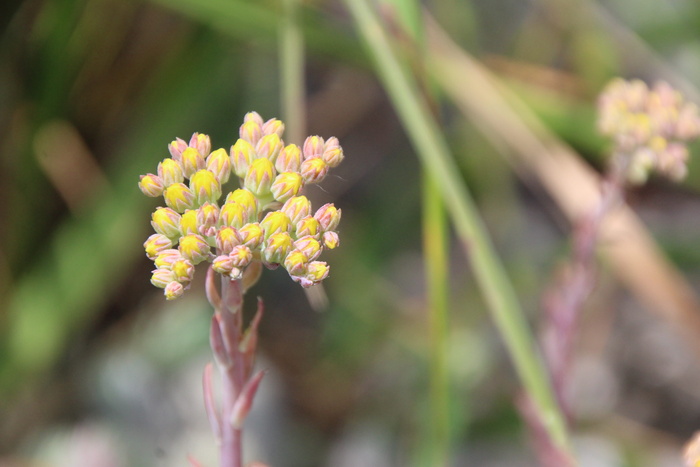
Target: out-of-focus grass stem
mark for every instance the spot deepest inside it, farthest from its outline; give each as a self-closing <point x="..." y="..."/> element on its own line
<point x="435" y="156"/>
<point x="291" y="46"/>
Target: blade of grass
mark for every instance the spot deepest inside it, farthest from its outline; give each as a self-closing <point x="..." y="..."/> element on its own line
<point x="435" y="156"/>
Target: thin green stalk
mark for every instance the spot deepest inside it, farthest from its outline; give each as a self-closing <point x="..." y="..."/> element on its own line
<point x="435" y="250"/>
<point x="291" y="46"/>
<point x="435" y="156"/>
<point x="435" y="253"/>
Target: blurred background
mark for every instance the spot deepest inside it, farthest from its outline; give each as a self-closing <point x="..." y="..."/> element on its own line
<point x="97" y="369"/>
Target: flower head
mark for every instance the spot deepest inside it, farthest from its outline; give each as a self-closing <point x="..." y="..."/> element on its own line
<point x="266" y="221"/>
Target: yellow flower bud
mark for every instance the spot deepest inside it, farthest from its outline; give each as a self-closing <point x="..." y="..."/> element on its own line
<point x="295" y="263"/>
<point x="316" y="271"/>
<point x="222" y="264"/>
<point x="275" y="222"/>
<point x="253" y="117"/>
<point x="251" y="131"/>
<point x="269" y="147"/>
<point x="330" y="240"/>
<point x="179" y="197"/>
<point x="289" y="159"/>
<point x="219" y="163"/>
<point x="233" y="215"/>
<point x="191" y="161"/>
<point x="155" y="244"/>
<point x="242" y="155"/>
<point x="176" y="148"/>
<point x="246" y="199"/>
<point x="207" y="219"/>
<point x="314" y="170"/>
<point x="194" y="248"/>
<point x="166" y="222"/>
<point x="296" y="208"/>
<point x="183" y="270"/>
<point x="205" y="186"/>
<point x="188" y="222"/>
<point x="259" y="177"/>
<point x="170" y="172"/>
<point x="307" y="226"/>
<point x="277" y="247"/>
<point x="286" y="185"/>
<point x="251" y="235"/>
<point x="151" y="185"/>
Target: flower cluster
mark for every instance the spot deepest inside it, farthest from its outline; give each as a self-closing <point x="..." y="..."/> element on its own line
<point x="267" y="220"/>
<point x="650" y="127"/>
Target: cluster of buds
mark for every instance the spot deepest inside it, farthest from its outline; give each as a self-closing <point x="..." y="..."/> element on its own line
<point x="650" y="127"/>
<point x="266" y="220"/>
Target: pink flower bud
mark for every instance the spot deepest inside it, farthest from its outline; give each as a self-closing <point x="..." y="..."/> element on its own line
<point x="207" y="219"/>
<point x="151" y="185"/>
<point x="332" y="152"/>
<point x="170" y="171"/>
<point x="155" y="244"/>
<point x="251" y="131"/>
<point x="166" y="221"/>
<point x="219" y="163"/>
<point x="269" y="147"/>
<point x="173" y="290"/>
<point x="222" y="264"/>
<point x="330" y="240"/>
<point x="184" y="271"/>
<point x="241" y="256"/>
<point x="179" y="197"/>
<point x="313" y="147"/>
<point x="328" y="217"/>
<point x="166" y="258"/>
<point x="202" y="143"/>
<point x="317" y="271"/>
<point x="226" y="239"/>
<point x="176" y="149"/>
<point x="253" y="117"/>
<point x="162" y="277"/>
<point x="314" y="170"/>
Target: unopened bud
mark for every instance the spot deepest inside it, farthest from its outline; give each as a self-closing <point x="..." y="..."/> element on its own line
<point x="242" y="155"/>
<point x="222" y="264"/>
<point x="309" y="246"/>
<point x="314" y="170"/>
<point x="277" y="247"/>
<point x="166" y="221"/>
<point x="251" y="131"/>
<point x="295" y="263"/>
<point x="259" y="177"/>
<point x="202" y="143"/>
<point x="251" y="235"/>
<point x="332" y="152"/>
<point x="246" y="199"/>
<point x="226" y="239"/>
<point x="179" y="197"/>
<point x="207" y="219"/>
<point x="296" y="208"/>
<point x="191" y="161"/>
<point x="184" y="270"/>
<point x="151" y="185"/>
<point x="286" y="185"/>
<point x="205" y="186"/>
<point x="269" y="147"/>
<point x="313" y="147"/>
<point x="289" y="159"/>
<point x="166" y="258"/>
<point x="188" y="222"/>
<point x="328" y="216"/>
<point x="316" y="271"/>
<point x="275" y="222"/>
<point x="330" y="240"/>
<point x="170" y="171"/>
<point x="173" y="290"/>
<point x="241" y="256"/>
<point x="253" y="117"/>
<point x="307" y="226"/>
<point x="176" y="148"/>
<point x="219" y="163"/>
<point x="194" y="248"/>
<point x="155" y="244"/>
<point x="162" y="277"/>
<point x="273" y="126"/>
<point x="233" y="215"/>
